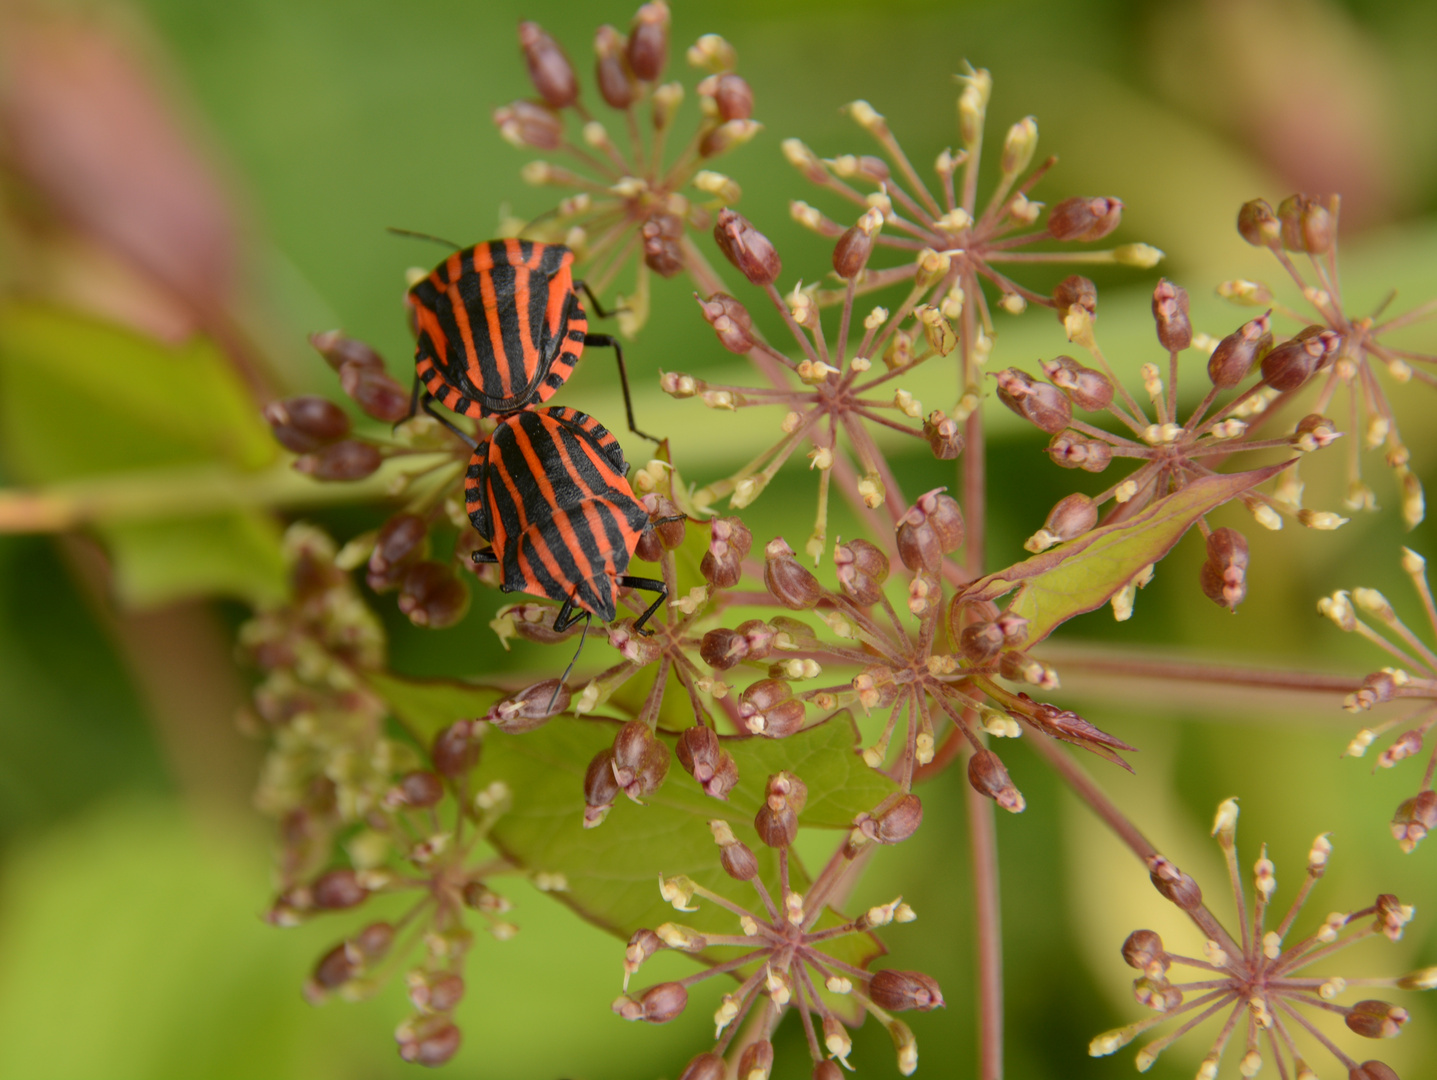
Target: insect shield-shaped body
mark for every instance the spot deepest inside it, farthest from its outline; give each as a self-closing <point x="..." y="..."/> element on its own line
<point x="500" y="328"/>
<point x="548" y="491"/>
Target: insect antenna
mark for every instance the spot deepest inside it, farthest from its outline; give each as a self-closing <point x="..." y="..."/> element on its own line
<point x="564" y="678"/>
<point x="413" y="235"/>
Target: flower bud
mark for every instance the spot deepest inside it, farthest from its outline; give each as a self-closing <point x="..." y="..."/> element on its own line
<point x="1224" y="574"/>
<point x="734" y="97"/>
<point x="1144" y="951"/>
<point x="861" y="568"/>
<point x="1075" y="290"/>
<point x="530" y="707"/>
<point x="600" y="788"/>
<point x="738" y="860"/>
<point x="658" y="1004"/>
<point x="894" y="824"/>
<point x="731" y="322"/>
<point x="747" y="248"/>
<point x="420" y="789"/>
<point x="1307" y="225"/>
<point x="898" y="991"/>
<point x="616" y="85"/>
<point x="1080" y="218"/>
<point x="1173" y="884"/>
<point x="729" y="136"/>
<point x="944" y="435"/>
<point x="1258" y="224"/>
<point x="337" y="890"/>
<point x="1293" y="362"/>
<point x="1235" y="354"/>
<point x="349" y="459"/>
<point x="792" y="585"/>
<point x="1040" y="404"/>
<point x="431" y="595"/>
<point x="777" y="820"/>
<point x="699" y="752"/>
<point x="641" y="761"/>
<point x="930" y="529"/>
<point x="706" y="1066"/>
<point x="1372" y="1070"/>
<point x="304" y="424"/>
<point x="1415" y="818"/>
<point x="1071" y="517"/>
<point x="1089" y="388"/>
<point x="850" y="254"/>
<point x="827" y="1069"/>
<point x="529" y="124"/>
<point x="988" y="777"/>
<point x="756" y="1061"/>
<point x="729" y="543"/>
<point x="769" y="708"/>
<point x="1170" y="312"/>
<point x="374" y="391"/>
<point x="549" y="69"/>
<point x="334" y="969"/>
<point x="1070" y="450"/>
<point x="431" y="1040"/>
<point x="1376" y="1019"/>
<point x="455" y="750"/>
<point x="662" y="236"/>
<point x="1019" y="145"/>
<point x="649" y="40"/>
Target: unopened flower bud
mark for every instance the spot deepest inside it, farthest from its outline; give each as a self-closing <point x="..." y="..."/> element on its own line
<point x="430" y="1040"/>
<point x="600" y="788"/>
<point x="944" y="435"/>
<point x="662" y="236"/>
<point x="988" y="777"/>
<point x="892" y="825"/>
<point x="731" y="322"/>
<point x="705" y="1066"/>
<point x="1173" y="884"/>
<point x="1258" y="224"/>
<point x="420" y="789"/>
<point x="1070" y="450"/>
<point x="729" y="136"/>
<point x="338" y="349"/>
<point x="1372" y="1070"/>
<point x="791" y="584"/>
<point x="648" y="45"/>
<point x="641" y="761"/>
<point x="455" y="750"/>
<point x="747" y="248"/>
<point x="1415" y="818"/>
<point x="529" y="124"/>
<point x="1307" y="225"/>
<point x="1376" y="1019"/>
<point x="1292" y="363"/>
<point x="616" y="85"/>
<point x="1071" y="517"/>
<point x="1144" y="950"/>
<point x="658" y="1004"/>
<point x="348" y="459"/>
<point x="375" y="392"/>
<point x="1224" y="574"/>
<point x="777" y="820"/>
<point x="699" y="752"/>
<point x="549" y="69"/>
<point x="769" y="708"/>
<point x="1235" y="354"/>
<point x="337" y="890"/>
<point x="1040" y="404"/>
<point x="729" y="543"/>
<point x="861" y="568"/>
<point x="1089" y="388"/>
<point x="1170" y="312"/>
<point x="734" y="97"/>
<point x="756" y="1061"/>
<point x="530" y="707"/>
<point x="850" y="254"/>
<point x="932" y="528"/>
<point x="1075" y="291"/>
<point x="1081" y="218"/>
<point x="431" y="595"/>
<point x="1019" y="146"/>
<point x="304" y="424"/>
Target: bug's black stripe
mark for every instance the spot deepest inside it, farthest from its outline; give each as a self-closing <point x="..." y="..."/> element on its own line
<point x="581" y="536"/>
<point x="548" y="533"/>
<point x="576" y="335"/>
<point x="507" y="280"/>
<point x="474" y="469"/>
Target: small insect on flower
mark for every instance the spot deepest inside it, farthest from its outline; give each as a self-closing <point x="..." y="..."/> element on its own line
<point x="500" y="328"/>
<point x="548" y="491"/>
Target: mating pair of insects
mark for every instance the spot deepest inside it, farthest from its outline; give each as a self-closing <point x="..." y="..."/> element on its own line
<point x="500" y="328"/>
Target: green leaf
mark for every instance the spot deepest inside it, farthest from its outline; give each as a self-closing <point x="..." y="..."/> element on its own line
<point x="613" y="870"/>
<point x="428" y="706"/>
<point x="235" y="554"/>
<point x="1085" y="573"/>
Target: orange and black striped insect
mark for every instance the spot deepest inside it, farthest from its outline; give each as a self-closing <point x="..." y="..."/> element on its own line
<point x="500" y="328"/>
<point x="548" y="491"/>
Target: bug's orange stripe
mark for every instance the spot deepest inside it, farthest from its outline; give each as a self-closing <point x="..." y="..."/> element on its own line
<point x="493" y="317"/>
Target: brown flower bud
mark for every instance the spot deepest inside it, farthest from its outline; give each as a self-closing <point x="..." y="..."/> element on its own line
<point x="1144" y="951"/>
<point x="861" y="568"/>
<point x="980" y="641"/>
<point x="729" y="543"/>
<point x="988" y="777"/>
<point x="1070" y="450"/>
<point x="431" y="1040"/>
<point x="420" y="788"/>
<point x="374" y="391"/>
<point x="1075" y="289"/>
<point x="1307" y="225"/>
<point x="705" y="1066"/>
<point x="944" y="435"/>
<point x="1415" y="818"/>
<point x="731" y="322"/>
<point x="658" y="1004"/>
<point x="1157" y="994"/>
<point x="600" y="788"/>
<point x="930" y="529"/>
<point x="304" y="424"/>
<point x="1224" y="574"/>
<point x="769" y="708"/>
<point x="1372" y="1070"/>
<point x="335" y="968"/>
<point x="850" y="254"/>
<point x="535" y="622"/>
<point x="1258" y="224"/>
<point x="549" y="69"/>
<point x="1235" y="354"/>
<point x="747" y="248"/>
<point x="339" y="349"/>
<point x="827" y="1069"/>
<point x="530" y="708"/>
<point x="1072" y="516"/>
<point x="724" y="779"/>
<point x="1039" y="403"/>
<point x="898" y="991"/>
<point x="1170" y="312"/>
<point x="734" y="97"/>
<point x="894" y="824"/>
<point x="756" y="1061"/>
<point x="400" y="541"/>
<point x="649" y="40"/>
<point x="777" y="820"/>
<point x="669" y="523"/>
<point x="373" y="941"/>
<point x="337" y="890"/>
<point x="663" y="235"/>
<point x="641" y="761"/>
<point x="611" y="72"/>
<point x="1292" y="363"/>
<point x="793" y="586"/>
<point x="527" y="123"/>
<point x="1089" y="388"/>
<point x="1173" y="884"/>
<point x="1376" y="1019"/>
<point x="699" y="752"/>
<point x="349" y="459"/>
<point x="436" y="992"/>
<point x="1080" y="218"/>
<point x="431" y="595"/>
<point x="455" y="749"/>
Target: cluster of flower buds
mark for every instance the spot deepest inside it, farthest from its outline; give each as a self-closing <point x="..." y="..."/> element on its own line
<point x="635" y="765"/>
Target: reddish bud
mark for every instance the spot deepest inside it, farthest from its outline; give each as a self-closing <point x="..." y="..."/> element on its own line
<point x="747" y="248"/>
<point x="1224" y="574"/>
<point x="1143" y="949"/>
<point x="662" y="235"/>
<point x="729" y="543"/>
<point x="373" y="941"/>
<point x="706" y="1066"/>
<point x="1089" y="388"/>
<point x="1173" y="884"/>
<point x="420" y="789"/>
<point x="1080" y="218"/>
<point x="336" y="967"/>
<point x="641" y="761"/>
<point x="1258" y="224"/>
<point x="988" y="777"/>
<point x="658" y="1004"/>
<point x="739" y="861"/>
<point x="1415" y="818"/>
<point x="549" y="69"/>
<point x="1292" y="363"/>
<point x="793" y="586"/>
<point x="432" y="1040"/>
<point x="400" y="540"/>
<point x="668" y="525"/>
<point x="375" y="392"/>
<point x="769" y="708"/>
<point x="337" y="890"/>
<point x="346" y="460"/>
<point x="731" y="322"/>
<point x="455" y="749"/>
<point x="1075" y="289"/>
<point x="649" y="40"/>
<point x="1307" y="225"/>
<point x="1235" y="354"/>
<point x="756" y="1061"/>
<point x="861" y="568"/>
<point x="431" y="595"/>
<point x="894" y="824"/>
<point x="699" y="752"/>
<point x="898" y="991"/>
<point x="600" y="788"/>
<point x="1070" y="450"/>
<point x="930" y="529"/>
<point x="1170" y="312"/>
<point x="944" y="435"/>
<point x="777" y="820"/>
<point x="530" y="707"/>
<point x="1071" y="517"/>
<point x="1376" y="1019"/>
<point x="527" y="123"/>
<point x="1372" y="1070"/>
<point x="616" y="85"/>
<point x="339" y="350"/>
<point x="304" y="424"/>
<point x="850" y="254"/>
<point x="1039" y="403"/>
<point x="734" y="98"/>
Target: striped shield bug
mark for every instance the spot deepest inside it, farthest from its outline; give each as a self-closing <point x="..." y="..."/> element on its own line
<point x="500" y="327"/>
<point x="547" y="489"/>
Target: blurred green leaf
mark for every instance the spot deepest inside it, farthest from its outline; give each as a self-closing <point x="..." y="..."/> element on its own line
<point x="427" y="706"/>
<point x="235" y="554"/>
<point x="1085" y="573"/>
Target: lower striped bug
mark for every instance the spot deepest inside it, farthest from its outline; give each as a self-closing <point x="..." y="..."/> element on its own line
<point x="500" y="327"/>
<point x="548" y="491"/>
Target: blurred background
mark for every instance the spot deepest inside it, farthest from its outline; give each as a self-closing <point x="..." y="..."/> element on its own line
<point x="219" y="178"/>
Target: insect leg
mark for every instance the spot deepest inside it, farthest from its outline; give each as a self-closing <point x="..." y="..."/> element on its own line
<point x="564" y="678"/>
<point x="609" y="342"/>
<point x="485" y="557"/>
<point x="647" y="585"/>
<point x="426" y="402"/>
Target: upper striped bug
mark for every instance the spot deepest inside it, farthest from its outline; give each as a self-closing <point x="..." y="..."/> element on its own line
<point x="548" y="490"/>
<point x="500" y="328"/>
